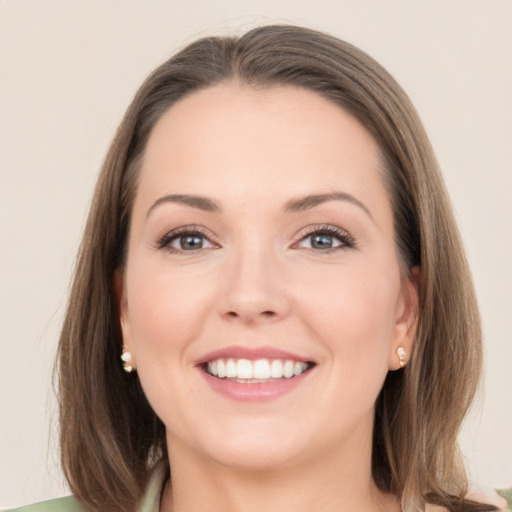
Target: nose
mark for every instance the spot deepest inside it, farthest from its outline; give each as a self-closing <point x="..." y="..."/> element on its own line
<point x="254" y="290"/>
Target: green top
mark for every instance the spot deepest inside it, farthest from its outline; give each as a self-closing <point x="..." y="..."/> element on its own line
<point x="150" y="502"/>
<point x="68" y="504"/>
<point x="507" y="494"/>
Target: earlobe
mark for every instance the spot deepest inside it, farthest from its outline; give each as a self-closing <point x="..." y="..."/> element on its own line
<point x="406" y="321"/>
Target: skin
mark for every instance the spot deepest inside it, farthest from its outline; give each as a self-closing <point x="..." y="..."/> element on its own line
<point x="260" y="280"/>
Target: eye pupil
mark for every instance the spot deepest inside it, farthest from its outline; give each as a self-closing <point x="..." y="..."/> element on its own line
<point x="191" y="242"/>
<point x="321" y="241"/>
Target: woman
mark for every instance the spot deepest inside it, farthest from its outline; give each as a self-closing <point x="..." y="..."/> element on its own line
<point x="272" y="254"/>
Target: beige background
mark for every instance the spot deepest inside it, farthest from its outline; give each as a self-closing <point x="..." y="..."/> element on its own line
<point x="68" y="69"/>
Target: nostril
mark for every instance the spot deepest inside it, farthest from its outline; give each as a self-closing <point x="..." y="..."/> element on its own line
<point x="268" y="313"/>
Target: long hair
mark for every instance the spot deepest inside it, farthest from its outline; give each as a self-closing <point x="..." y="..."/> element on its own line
<point x="111" y="438"/>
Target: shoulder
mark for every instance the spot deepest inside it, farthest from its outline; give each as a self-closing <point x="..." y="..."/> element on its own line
<point x="484" y="494"/>
<point x="501" y="499"/>
<point x="507" y="495"/>
<point x="150" y="501"/>
<point x="68" y="504"/>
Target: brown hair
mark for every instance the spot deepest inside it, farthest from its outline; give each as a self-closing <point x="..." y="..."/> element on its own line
<point x="111" y="438"/>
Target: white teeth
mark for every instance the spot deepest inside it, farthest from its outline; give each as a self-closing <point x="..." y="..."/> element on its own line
<point x="221" y="368"/>
<point x="288" y="369"/>
<point x="297" y="368"/>
<point x="231" y="368"/>
<point x="261" y="370"/>
<point x="244" y="369"/>
<point x="276" y="369"/>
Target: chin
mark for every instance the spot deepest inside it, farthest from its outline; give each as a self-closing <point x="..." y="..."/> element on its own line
<point x="260" y="446"/>
<point x="261" y="457"/>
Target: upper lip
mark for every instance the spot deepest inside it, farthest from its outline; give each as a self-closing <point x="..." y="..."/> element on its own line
<point x="251" y="353"/>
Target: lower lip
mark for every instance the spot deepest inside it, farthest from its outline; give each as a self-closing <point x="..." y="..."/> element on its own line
<point x="254" y="392"/>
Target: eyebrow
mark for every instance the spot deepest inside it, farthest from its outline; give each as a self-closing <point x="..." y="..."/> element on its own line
<point x="293" y="205"/>
<point x="199" y="202"/>
<point x="310" y="201"/>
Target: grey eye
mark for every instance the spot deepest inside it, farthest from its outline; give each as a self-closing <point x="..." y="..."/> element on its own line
<point x="322" y="241"/>
<point x="319" y="241"/>
<point x="188" y="242"/>
<point x="186" y="239"/>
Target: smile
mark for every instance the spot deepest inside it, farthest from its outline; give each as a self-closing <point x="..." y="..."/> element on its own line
<point x="252" y="372"/>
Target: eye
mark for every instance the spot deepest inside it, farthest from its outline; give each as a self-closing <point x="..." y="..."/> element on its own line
<point x="325" y="239"/>
<point x="189" y="242"/>
<point x="185" y="239"/>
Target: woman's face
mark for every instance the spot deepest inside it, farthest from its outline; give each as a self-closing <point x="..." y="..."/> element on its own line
<point x="262" y="298"/>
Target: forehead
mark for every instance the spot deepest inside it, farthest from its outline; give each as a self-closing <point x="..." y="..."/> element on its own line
<point x="250" y="142"/>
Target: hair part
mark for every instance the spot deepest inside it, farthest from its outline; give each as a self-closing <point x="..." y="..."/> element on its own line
<point x="110" y="436"/>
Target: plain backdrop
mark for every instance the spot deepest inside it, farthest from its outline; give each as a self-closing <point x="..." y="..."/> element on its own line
<point x="68" y="70"/>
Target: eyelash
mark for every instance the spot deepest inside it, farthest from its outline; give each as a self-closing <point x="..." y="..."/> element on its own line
<point x="346" y="240"/>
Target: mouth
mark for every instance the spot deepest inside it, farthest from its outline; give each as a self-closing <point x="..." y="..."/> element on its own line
<point x="259" y="371"/>
<point x="254" y="374"/>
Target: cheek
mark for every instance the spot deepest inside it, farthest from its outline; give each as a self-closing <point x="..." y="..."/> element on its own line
<point x="353" y="313"/>
<point x="165" y="311"/>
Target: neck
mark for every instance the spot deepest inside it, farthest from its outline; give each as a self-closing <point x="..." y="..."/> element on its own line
<point x="333" y="482"/>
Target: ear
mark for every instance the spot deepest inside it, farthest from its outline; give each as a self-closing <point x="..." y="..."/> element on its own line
<point x="406" y="321"/>
<point x="124" y="316"/>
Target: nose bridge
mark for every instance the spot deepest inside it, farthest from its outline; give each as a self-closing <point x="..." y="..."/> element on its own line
<point x="254" y="289"/>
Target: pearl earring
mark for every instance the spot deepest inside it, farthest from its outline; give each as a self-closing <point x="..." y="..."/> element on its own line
<point x="402" y="356"/>
<point x="126" y="357"/>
